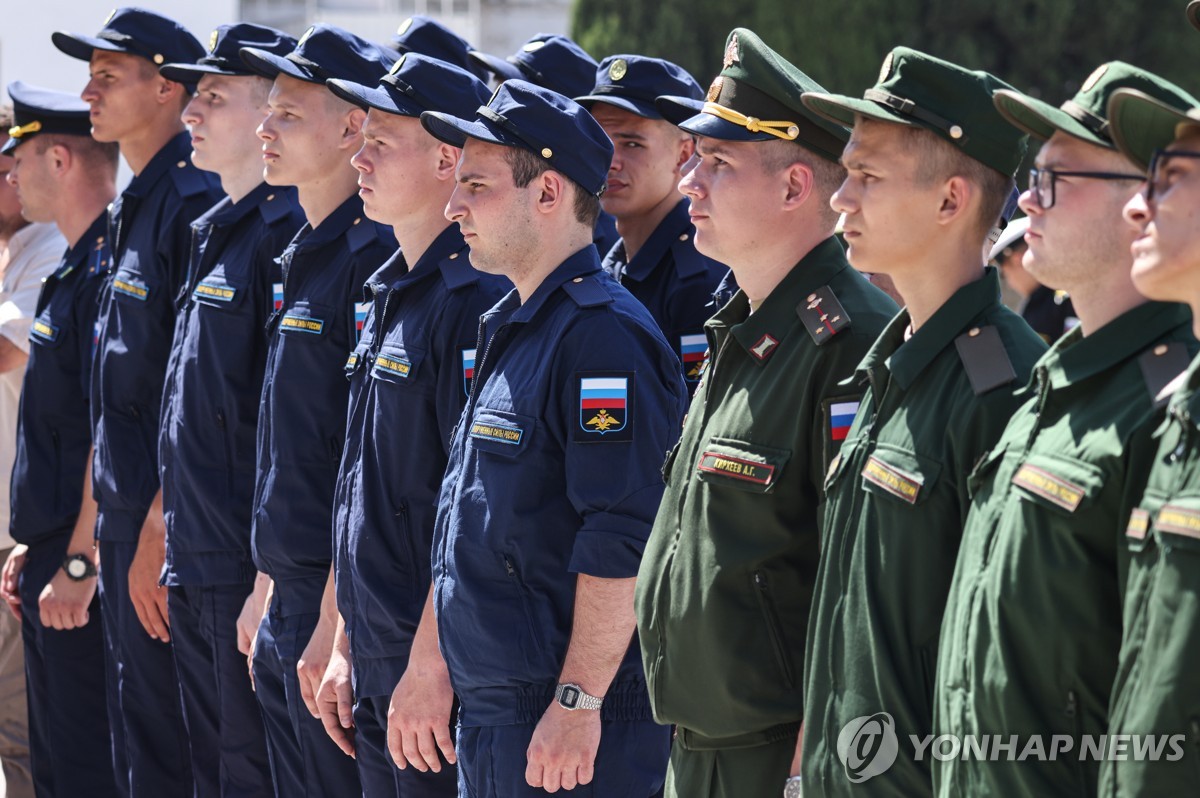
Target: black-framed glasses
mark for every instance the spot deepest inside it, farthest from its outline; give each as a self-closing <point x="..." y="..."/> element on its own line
<point x="1042" y="182"/>
<point x="1157" y="177"/>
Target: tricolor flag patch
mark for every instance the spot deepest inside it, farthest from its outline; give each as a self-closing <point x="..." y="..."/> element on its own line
<point x="841" y="417"/>
<point x="604" y="403"/>
<point x="361" y="309"/>
<point x="693" y="351"/>
<point x="468" y="368"/>
<point x="277" y="294"/>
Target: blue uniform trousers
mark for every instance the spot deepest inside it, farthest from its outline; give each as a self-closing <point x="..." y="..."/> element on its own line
<point x="225" y="729"/>
<point x="150" y="747"/>
<point x="305" y="763"/>
<point x="631" y="761"/>
<point x="379" y="774"/>
<point x="69" y="743"/>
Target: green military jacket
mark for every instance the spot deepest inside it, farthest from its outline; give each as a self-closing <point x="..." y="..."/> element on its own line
<point x="1157" y="690"/>
<point x="1032" y="626"/>
<point x="726" y="580"/>
<point x="895" y="506"/>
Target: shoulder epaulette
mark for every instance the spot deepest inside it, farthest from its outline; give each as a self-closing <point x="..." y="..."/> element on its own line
<point x="275" y="207"/>
<point x="587" y="292"/>
<point x="1160" y="365"/>
<point x="457" y="271"/>
<point x="822" y="315"/>
<point x="985" y="359"/>
<point x="688" y="262"/>
<point x="362" y="233"/>
<point x="189" y="181"/>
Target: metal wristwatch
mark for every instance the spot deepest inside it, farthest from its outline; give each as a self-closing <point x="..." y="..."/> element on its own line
<point x="571" y="696"/>
<point x="78" y="567"/>
<point x="791" y="788"/>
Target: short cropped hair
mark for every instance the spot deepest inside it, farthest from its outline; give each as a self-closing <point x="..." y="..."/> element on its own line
<point x="95" y="155"/>
<point x="526" y="167"/>
<point x="827" y="175"/>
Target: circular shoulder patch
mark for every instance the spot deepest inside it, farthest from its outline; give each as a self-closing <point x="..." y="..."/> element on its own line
<point x="618" y="69"/>
<point x="1094" y="78"/>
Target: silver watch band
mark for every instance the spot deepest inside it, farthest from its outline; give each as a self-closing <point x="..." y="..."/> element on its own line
<point x="571" y="696"/>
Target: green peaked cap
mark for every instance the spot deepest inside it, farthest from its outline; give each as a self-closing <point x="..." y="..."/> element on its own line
<point x="756" y="97"/>
<point x="1085" y="116"/>
<point x="1142" y="124"/>
<point x="920" y="90"/>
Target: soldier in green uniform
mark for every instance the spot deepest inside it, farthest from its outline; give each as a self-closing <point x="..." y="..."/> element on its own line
<point x="724" y="587"/>
<point x="1156" y="693"/>
<point x="930" y="166"/>
<point x="1032" y="627"/>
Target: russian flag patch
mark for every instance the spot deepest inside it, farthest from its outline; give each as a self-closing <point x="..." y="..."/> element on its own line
<point x="277" y="293"/>
<point x="468" y="367"/>
<point x="693" y="350"/>
<point x="841" y="417"/>
<point x="361" y="309"/>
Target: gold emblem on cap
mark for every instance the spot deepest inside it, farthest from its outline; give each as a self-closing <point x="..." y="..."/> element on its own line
<point x="396" y="66"/>
<point x="714" y="89"/>
<point x="956" y="132"/>
<point x="1094" y="78"/>
<point x="111" y="14"/>
<point x="732" y="56"/>
<point x="404" y="26"/>
<point x="212" y="41"/>
<point x="618" y="69"/>
<point x="158" y="59"/>
<point x="531" y="47"/>
<point x="307" y="33"/>
<point x="16" y="131"/>
<point x="793" y="131"/>
<point x="886" y="70"/>
<point x="547" y="152"/>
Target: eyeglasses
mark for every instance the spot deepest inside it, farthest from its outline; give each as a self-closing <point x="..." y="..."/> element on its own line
<point x="1042" y="182"/>
<point x="1158" y="180"/>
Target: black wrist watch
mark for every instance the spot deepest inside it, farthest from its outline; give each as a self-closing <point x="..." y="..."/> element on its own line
<point x="78" y="567"/>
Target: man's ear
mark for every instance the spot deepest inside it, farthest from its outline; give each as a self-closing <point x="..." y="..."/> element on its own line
<point x="169" y="91"/>
<point x="352" y="125"/>
<point x="687" y="148"/>
<point x="551" y="191"/>
<point x="798" y="186"/>
<point x="60" y="159"/>
<point x="957" y="197"/>
<point x="446" y="160"/>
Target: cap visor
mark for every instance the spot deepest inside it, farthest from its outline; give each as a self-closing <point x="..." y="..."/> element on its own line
<point x="191" y="73"/>
<point x="642" y="108"/>
<point x="676" y="109"/>
<point x="498" y="66"/>
<point x="368" y="97"/>
<point x="841" y="110"/>
<point x="714" y="127"/>
<point x="270" y="65"/>
<point x="1141" y="124"/>
<point x="455" y="131"/>
<point x="79" y="46"/>
<point x="1040" y="119"/>
<point x="9" y="145"/>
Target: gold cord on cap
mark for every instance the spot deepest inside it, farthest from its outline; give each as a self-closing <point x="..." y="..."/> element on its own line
<point x="17" y="131"/>
<point x="782" y="130"/>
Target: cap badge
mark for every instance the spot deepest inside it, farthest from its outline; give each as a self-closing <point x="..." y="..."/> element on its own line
<point x="111" y="14"/>
<point x="1094" y="78"/>
<point x="396" y="66"/>
<point x="886" y="70"/>
<point x="618" y="69"/>
<point x="404" y="26"/>
<point x="714" y="89"/>
<point x="532" y="47"/>
<point x="731" y="52"/>
<point x="307" y="33"/>
<point x="212" y="42"/>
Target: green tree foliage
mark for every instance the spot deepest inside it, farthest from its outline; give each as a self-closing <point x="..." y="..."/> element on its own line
<point x="1044" y="47"/>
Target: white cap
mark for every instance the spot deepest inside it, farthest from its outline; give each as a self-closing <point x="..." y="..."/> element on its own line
<point x="1015" y="230"/>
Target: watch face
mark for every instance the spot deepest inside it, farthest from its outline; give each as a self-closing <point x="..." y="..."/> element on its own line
<point x="570" y="696"/>
<point x="77" y="569"/>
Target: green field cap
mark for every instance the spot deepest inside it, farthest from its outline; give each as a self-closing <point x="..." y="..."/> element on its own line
<point x="1142" y="124"/>
<point x="757" y="98"/>
<point x="919" y="90"/>
<point x="1085" y="116"/>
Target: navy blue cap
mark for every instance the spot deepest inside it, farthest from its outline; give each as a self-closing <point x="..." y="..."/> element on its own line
<point x="676" y="109"/>
<point x="541" y="121"/>
<point x="547" y="60"/>
<point x="224" y="56"/>
<point x="427" y="36"/>
<point x="417" y="83"/>
<point x="37" y="110"/>
<point x="323" y="53"/>
<point x="632" y="82"/>
<point x="135" y="31"/>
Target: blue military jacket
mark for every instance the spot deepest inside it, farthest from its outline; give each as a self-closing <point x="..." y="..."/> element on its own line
<point x="409" y="377"/>
<point x="675" y="283"/>
<point x="214" y="383"/>
<point x="302" y="414"/>
<point x="554" y="471"/>
<point x="150" y="231"/>
<point x="54" y="430"/>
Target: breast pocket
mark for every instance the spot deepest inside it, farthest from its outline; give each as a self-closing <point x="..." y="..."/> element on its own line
<point x="1062" y="484"/>
<point x="307" y="320"/>
<point x="897" y="473"/>
<point x="217" y="292"/>
<point x="501" y="432"/>
<point x="397" y="365"/>
<point x="741" y="465"/>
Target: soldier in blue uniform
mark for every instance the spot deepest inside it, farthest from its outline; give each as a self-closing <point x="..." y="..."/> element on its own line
<point x="308" y="138"/>
<point x="150" y="234"/>
<point x="210" y="410"/>
<point x="406" y="394"/>
<point x="553" y="477"/>
<point x="427" y="36"/>
<point x="61" y="175"/>
<point x="656" y="258"/>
